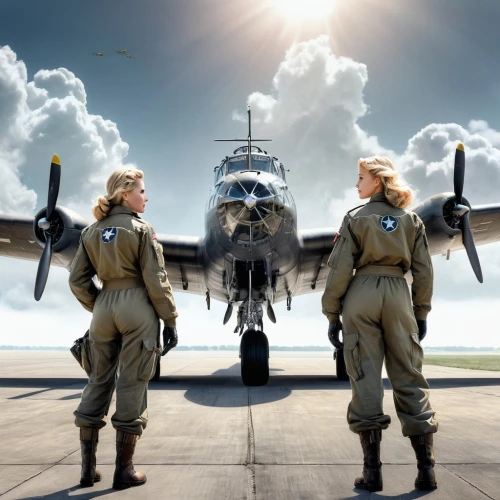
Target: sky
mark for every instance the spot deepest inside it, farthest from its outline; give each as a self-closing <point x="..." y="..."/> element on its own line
<point x="396" y="77"/>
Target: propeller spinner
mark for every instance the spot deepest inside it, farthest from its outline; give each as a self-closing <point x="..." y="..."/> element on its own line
<point x="45" y="224"/>
<point x="461" y="213"/>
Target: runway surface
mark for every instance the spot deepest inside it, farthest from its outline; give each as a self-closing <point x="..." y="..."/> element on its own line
<point x="210" y="437"/>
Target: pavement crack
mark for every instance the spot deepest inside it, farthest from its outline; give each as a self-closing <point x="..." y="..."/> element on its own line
<point x="41" y="472"/>
<point x="250" y="462"/>
<point x="468" y="482"/>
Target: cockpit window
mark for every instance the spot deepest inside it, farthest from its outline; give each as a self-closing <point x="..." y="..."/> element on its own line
<point x="258" y="162"/>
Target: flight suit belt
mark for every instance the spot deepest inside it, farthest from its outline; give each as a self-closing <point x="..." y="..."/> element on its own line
<point x="123" y="284"/>
<point x="380" y="271"/>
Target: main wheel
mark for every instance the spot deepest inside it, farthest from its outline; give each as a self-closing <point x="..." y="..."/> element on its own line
<point x="254" y="358"/>
<point x="338" y="356"/>
<point x="156" y="376"/>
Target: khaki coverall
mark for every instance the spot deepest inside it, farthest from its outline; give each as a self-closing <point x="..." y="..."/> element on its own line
<point x="382" y="243"/>
<point x="123" y="251"/>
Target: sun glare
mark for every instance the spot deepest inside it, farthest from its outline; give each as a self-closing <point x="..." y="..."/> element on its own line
<point x="300" y="9"/>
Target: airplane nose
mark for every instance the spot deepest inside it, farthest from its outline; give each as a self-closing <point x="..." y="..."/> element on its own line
<point x="250" y="211"/>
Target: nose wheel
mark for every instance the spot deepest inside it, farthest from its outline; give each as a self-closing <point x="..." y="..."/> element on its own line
<point x="254" y="353"/>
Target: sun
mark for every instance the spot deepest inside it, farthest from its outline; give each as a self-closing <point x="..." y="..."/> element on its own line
<point x="301" y="9"/>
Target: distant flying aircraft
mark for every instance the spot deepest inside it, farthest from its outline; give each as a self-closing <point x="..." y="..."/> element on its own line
<point x="130" y="57"/>
<point x="252" y="255"/>
<point x="123" y="51"/>
<point x="101" y="54"/>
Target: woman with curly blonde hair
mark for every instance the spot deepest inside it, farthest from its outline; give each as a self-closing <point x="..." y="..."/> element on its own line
<point x="123" y="251"/>
<point x="379" y="243"/>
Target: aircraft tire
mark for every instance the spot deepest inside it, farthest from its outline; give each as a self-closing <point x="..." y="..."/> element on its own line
<point x="156" y="376"/>
<point x="340" y="365"/>
<point x="254" y="358"/>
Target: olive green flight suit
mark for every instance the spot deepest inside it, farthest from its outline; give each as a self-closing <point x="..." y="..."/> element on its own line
<point x="382" y="243"/>
<point x="123" y="252"/>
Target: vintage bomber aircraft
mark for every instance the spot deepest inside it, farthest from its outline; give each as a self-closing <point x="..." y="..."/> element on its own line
<point x="252" y="255"/>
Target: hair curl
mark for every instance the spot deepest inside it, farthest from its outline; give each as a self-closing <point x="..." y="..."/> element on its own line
<point x="397" y="192"/>
<point x="119" y="182"/>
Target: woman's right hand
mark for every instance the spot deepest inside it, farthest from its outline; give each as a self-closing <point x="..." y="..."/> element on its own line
<point x="333" y="334"/>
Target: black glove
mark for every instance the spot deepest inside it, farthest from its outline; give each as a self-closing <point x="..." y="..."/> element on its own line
<point x="169" y="339"/>
<point x="422" y="328"/>
<point x="333" y="334"/>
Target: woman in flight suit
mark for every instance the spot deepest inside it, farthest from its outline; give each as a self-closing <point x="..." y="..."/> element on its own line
<point x="381" y="241"/>
<point x="122" y="250"/>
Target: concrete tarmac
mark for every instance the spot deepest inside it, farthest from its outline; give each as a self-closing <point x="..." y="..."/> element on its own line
<point x="211" y="438"/>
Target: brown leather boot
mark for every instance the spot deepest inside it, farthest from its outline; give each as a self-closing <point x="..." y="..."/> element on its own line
<point x="372" y="466"/>
<point x="424" y="451"/>
<point x="88" y="441"/>
<point x="125" y="475"/>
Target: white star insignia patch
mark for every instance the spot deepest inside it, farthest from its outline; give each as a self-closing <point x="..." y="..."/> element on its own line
<point x="108" y="234"/>
<point x="389" y="223"/>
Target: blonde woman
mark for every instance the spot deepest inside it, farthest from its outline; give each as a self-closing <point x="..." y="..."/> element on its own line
<point x="122" y="250"/>
<point x="381" y="241"/>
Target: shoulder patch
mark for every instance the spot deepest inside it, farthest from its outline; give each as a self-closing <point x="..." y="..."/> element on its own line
<point x="337" y="235"/>
<point x="108" y="234"/>
<point x="388" y="223"/>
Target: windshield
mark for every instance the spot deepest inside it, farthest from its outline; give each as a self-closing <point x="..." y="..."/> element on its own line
<point x="238" y="163"/>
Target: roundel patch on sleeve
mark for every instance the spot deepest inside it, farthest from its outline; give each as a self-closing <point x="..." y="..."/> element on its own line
<point x="108" y="234"/>
<point x="388" y="223"/>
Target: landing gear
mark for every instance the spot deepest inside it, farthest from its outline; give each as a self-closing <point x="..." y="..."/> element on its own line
<point x="254" y="353"/>
<point x="156" y="376"/>
<point x="338" y="356"/>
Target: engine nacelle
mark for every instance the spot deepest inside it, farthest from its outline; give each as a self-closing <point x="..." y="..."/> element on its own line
<point x="436" y="213"/>
<point x="66" y="226"/>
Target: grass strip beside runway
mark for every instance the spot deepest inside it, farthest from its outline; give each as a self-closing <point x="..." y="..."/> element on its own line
<point x="471" y="362"/>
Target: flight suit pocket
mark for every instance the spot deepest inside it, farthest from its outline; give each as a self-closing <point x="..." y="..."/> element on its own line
<point x="149" y="357"/>
<point x="352" y="357"/>
<point x="417" y="353"/>
<point x="87" y="356"/>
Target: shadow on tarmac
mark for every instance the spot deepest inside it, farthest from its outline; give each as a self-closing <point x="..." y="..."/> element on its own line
<point x="224" y="388"/>
<point x="70" y="493"/>
<point x="178" y="382"/>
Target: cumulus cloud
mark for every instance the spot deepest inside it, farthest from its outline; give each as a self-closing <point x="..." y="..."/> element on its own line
<point x="39" y="118"/>
<point x="47" y="115"/>
<point x="429" y="158"/>
<point x="312" y="115"/>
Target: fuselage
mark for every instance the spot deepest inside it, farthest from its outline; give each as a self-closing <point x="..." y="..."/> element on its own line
<point x="251" y="226"/>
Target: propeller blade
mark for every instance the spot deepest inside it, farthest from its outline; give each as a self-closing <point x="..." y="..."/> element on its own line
<point x="54" y="181"/>
<point x="470" y="248"/>
<point x="459" y="173"/>
<point x="43" y="268"/>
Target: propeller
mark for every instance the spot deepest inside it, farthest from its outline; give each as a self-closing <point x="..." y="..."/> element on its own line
<point x="461" y="213"/>
<point x="45" y="224"/>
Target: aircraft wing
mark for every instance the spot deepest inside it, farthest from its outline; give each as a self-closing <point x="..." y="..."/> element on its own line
<point x="316" y="246"/>
<point x="485" y="223"/>
<point x="182" y="256"/>
<point x="17" y="239"/>
<point x="181" y="253"/>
